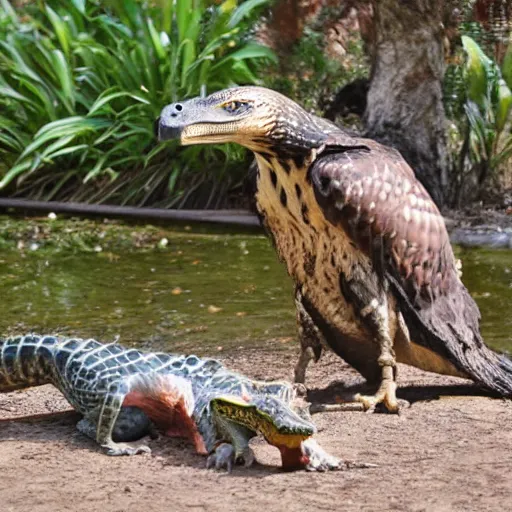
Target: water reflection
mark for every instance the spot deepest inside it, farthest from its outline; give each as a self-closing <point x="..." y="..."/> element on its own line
<point x="201" y="292"/>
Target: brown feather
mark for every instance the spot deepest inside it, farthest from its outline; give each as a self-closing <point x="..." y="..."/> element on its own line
<point x="371" y="193"/>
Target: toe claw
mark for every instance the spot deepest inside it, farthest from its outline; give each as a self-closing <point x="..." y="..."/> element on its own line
<point x="116" y="449"/>
<point x="319" y="459"/>
<point x="371" y="403"/>
<point x="245" y="457"/>
<point x="222" y="457"/>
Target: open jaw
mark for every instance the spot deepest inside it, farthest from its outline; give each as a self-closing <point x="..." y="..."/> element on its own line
<point x="279" y="425"/>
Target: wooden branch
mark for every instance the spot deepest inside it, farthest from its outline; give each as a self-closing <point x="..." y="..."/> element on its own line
<point x="232" y="217"/>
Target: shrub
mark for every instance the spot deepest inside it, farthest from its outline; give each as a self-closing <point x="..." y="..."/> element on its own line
<point x="82" y="82"/>
<point x="487" y="106"/>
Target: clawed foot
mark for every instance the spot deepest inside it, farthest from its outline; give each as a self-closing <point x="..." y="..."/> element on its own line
<point x="224" y="457"/>
<point x="115" y="449"/>
<point x="386" y="395"/>
<point x="320" y="460"/>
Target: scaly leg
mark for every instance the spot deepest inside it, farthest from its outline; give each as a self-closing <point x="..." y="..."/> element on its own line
<point x="310" y="338"/>
<point x="386" y="393"/>
<point x="132" y="424"/>
<point x="106" y="421"/>
<point x="237" y="451"/>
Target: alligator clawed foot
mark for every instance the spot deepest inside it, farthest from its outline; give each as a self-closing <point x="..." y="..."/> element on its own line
<point x="222" y="457"/>
<point x="116" y="449"/>
<point x="225" y="457"/>
<point x="318" y="458"/>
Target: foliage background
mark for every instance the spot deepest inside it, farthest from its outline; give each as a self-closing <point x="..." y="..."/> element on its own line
<point x="82" y="82"/>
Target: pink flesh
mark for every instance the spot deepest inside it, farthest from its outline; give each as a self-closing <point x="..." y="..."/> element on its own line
<point x="168" y="412"/>
<point x="292" y="458"/>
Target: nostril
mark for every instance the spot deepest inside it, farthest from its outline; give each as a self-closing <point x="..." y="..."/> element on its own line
<point x="178" y="107"/>
<point x="174" y="114"/>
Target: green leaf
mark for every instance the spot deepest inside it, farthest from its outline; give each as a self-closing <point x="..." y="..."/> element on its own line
<point x="504" y="106"/>
<point x="244" y="10"/>
<point x="11" y="142"/>
<point x="13" y="172"/>
<point x="253" y="51"/>
<point x="79" y="5"/>
<point x="10" y="12"/>
<point x="167" y="7"/>
<point x="104" y="99"/>
<point x="96" y="169"/>
<point x="477" y="64"/>
<point x="173" y="178"/>
<point x="66" y="151"/>
<point x="65" y="77"/>
<point x="9" y="92"/>
<point x="72" y="126"/>
<point x="61" y="29"/>
<point x="155" y="38"/>
<point x="58" y="144"/>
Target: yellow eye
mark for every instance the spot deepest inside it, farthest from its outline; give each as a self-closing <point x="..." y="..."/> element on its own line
<point x="233" y="106"/>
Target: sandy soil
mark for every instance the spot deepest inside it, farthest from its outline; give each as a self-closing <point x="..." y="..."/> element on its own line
<point x="450" y="450"/>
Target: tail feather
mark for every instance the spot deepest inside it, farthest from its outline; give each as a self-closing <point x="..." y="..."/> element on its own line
<point x="491" y="370"/>
<point x="450" y="327"/>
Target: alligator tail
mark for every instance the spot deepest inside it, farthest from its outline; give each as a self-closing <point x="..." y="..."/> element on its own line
<point x="25" y="361"/>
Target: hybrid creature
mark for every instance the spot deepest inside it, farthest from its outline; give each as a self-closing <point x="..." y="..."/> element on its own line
<point x="376" y="279"/>
<point x="125" y="394"/>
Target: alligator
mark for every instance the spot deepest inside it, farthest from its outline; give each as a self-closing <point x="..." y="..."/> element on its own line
<point x="125" y="394"/>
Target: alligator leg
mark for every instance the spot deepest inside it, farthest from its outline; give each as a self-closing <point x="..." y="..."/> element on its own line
<point x="106" y="421"/>
<point x="87" y="427"/>
<point x="222" y="457"/>
<point x="237" y="451"/>
<point x="132" y="424"/>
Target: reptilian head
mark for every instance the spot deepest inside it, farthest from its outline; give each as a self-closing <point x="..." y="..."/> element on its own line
<point x="276" y="421"/>
<point x="254" y="117"/>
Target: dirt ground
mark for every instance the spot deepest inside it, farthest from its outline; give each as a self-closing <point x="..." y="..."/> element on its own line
<point x="450" y="450"/>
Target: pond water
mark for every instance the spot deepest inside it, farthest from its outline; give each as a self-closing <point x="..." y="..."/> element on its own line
<point x="202" y="293"/>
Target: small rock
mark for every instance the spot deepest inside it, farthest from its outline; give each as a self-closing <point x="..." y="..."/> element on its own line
<point x="213" y="309"/>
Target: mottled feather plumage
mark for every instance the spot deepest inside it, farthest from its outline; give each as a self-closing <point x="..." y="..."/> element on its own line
<point x="365" y="244"/>
<point x="371" y="193"/>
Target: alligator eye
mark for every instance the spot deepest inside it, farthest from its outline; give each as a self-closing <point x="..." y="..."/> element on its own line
<point x="234" y="106"/>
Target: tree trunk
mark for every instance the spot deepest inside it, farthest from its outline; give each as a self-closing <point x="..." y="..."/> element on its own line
<point x="405" y="108"/>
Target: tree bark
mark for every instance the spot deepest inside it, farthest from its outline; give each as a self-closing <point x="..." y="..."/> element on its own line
<point x="405" y="107"/>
